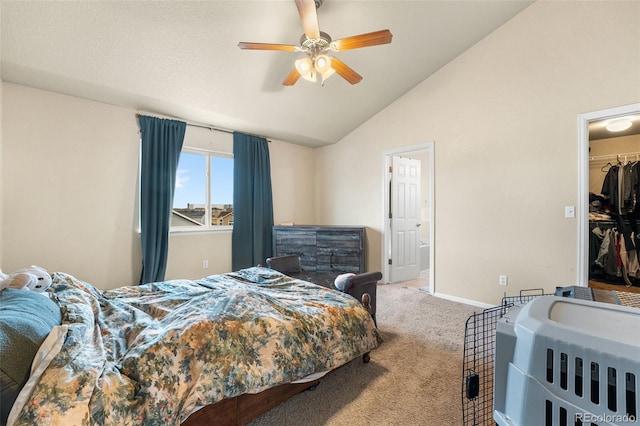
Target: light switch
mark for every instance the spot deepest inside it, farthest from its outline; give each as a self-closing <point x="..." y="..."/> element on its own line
<point x="569" y="211"/>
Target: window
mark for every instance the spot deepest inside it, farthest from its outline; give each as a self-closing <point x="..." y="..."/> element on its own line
<point x="203" y="198"/>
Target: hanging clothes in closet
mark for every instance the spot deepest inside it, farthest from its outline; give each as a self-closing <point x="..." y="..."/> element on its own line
<point x="614" y="244"/>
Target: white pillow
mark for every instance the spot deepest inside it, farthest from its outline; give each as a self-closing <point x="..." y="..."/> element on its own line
<point x="47" y="351"/>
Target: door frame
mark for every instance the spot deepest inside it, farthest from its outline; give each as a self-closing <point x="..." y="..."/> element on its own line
<point x="386" y="236"/>
<point x="583" y="181"/>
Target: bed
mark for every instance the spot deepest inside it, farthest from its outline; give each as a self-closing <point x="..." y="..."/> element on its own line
<point x="188" y="351"/>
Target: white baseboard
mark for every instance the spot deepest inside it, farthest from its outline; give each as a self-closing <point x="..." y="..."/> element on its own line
<point x="463" y="300"/>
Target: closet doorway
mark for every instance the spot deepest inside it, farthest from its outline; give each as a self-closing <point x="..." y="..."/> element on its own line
<point x="422" y="254"/>
<point x="600" y="149"/>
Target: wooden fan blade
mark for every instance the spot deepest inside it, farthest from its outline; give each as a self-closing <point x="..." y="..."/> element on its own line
<point x="292" y="78"/>
<point x="267" y="46"/>
<point x="344" y="71"/>
<point x="309" y="18"/>
<point x="363" y="40"/>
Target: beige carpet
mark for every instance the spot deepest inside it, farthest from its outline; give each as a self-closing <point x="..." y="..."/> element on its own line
<point x="414" y="377"/>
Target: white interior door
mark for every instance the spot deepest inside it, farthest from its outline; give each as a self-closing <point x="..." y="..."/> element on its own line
<point x="405" y="219"/>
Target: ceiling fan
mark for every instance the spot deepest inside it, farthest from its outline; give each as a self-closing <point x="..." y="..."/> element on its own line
<point x="317" y="45"/>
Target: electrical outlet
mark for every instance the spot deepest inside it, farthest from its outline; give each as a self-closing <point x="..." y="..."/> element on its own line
<point x="503" y="280"/>
<point x="205" y="264"/>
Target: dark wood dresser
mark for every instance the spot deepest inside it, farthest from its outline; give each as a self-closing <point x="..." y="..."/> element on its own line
<point x="330" y="249"/>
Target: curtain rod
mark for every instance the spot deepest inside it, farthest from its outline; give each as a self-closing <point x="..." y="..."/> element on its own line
<point x="203" y="126"/>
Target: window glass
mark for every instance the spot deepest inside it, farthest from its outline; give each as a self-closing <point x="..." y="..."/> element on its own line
<point x="221" y="191"/>
<point x="203" y="179"/>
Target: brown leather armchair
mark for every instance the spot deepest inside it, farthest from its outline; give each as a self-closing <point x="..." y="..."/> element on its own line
<point x="356" y="286"/>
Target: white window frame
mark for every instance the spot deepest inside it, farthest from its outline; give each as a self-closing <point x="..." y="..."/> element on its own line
<point x="207" y="227"/>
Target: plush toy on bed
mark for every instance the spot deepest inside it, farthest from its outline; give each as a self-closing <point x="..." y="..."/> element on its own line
<point x="33" y="278"/>
<point x="342" y="280"/>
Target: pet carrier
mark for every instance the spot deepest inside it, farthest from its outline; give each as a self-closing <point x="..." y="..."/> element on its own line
<point x="564" y="361"/>
<point x="477" y="365"/>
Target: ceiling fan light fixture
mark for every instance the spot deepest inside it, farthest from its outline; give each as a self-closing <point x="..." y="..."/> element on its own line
<point x="315" y="44"/>
<point x="323" y="67"/>
<point x="619" y="125"/>
<point x="305" y="67"/>
<point x="322" y="63"/>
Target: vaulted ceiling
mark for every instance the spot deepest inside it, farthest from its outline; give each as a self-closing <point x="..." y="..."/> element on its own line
<point x="181" y="59"/>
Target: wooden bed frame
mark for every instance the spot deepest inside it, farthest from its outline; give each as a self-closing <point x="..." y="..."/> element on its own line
<point x="242" y="409"/>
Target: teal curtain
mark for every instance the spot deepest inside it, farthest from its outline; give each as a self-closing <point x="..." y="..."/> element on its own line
<point x="252" y="201"/>
<point x="161" y="145"/>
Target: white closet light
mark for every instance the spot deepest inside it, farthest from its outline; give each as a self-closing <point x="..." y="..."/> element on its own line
<point x="619" y="125"/>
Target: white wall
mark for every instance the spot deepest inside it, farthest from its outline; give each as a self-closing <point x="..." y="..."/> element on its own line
<point x="71" y="170"/>
<point x="70" y="191"/>
<point x="293" y="181"/>
<point x="504" y="120"/>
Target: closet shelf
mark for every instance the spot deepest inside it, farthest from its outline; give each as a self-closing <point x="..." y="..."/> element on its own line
<point x="609" y="222"/>
<point x="625" y="156"/>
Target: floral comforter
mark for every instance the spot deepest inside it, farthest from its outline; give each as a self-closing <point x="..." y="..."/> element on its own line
<point x="150" y="354"/>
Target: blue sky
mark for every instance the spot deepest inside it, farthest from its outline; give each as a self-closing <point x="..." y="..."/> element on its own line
<point x="191" y="184"/>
